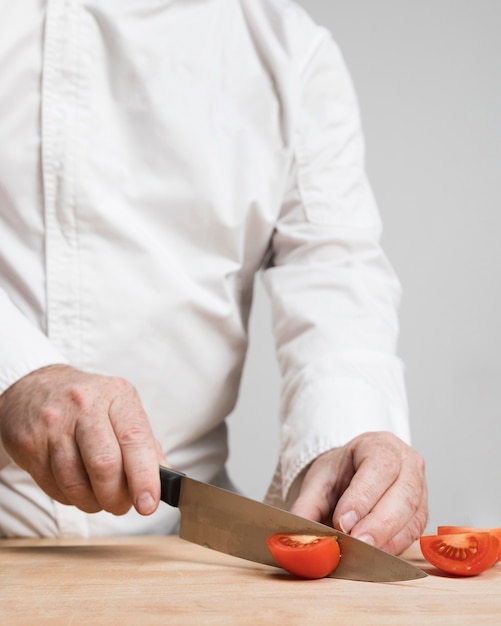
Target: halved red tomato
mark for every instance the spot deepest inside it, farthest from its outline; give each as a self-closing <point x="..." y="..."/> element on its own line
<point x="305" y="556"/>
<point x="457" y="530"/>
<point x="465" y="554"/>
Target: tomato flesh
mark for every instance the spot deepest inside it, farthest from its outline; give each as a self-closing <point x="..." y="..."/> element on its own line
<point x="305" y="556"/>
<point x="455" y="530"/>
<point x="462" y="554"/>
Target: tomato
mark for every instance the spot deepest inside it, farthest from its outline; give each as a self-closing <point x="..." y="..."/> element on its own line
<point x="464" y="554"/>
<point x="305" y="556"/>
<point x="454" y="530"/>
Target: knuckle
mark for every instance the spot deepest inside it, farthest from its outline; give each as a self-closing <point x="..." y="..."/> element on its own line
<point x="400" y="542"/>
<point x="132" y="434"/>
<point x="421" y="517"/>
<point x="421" y="465"/>
<point x="411" y="497"/>
<point x="80" y="397"/>
<point x="419" y="525"/>
<point x="415" y="528"/>
<point x="388" y="467"/>
<point x="387" y="526"/>
<point x="121" y="386"/>
<point x="367" y="495"/>
<point x="391" y="438"/>
<point x="103" y="464"/>
<point x="381" y="438"/>
<point x="77" y="491"/>
<point x="24" y="444"/>
<point x="51" y="416"/>
<point x="140" y="477"/>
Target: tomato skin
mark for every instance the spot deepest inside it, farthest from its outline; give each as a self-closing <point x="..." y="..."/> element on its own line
<point x="454" y="530"/>
<point x="462" y="554"/>
<point x="305" y="556"/>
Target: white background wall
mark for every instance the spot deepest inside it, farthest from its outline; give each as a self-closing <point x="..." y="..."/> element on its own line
<point x="429" y="83"/>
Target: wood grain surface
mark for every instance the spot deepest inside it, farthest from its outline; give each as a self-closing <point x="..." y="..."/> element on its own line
<point x="165" y="580"/>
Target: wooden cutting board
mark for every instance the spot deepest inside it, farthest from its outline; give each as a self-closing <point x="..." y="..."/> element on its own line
<point x="165" y="580"/>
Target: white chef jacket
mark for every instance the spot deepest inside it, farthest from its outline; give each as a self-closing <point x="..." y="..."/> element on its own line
<point x="154" y="156"/>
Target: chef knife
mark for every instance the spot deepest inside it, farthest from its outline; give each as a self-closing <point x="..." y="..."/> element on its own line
<point x="236" y="525"/>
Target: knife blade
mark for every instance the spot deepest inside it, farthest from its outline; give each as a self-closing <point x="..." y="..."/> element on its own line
<point x="227" y="522"/>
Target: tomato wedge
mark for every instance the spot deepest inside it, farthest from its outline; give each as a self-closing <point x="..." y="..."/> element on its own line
<point x="455" y="530"/>
<point x="464" y="554"/>
<point x="305" y="556"/>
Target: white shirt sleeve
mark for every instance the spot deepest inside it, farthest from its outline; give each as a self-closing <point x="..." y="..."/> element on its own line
<point x="334" y="294"/>
<point x="24" y="349"/>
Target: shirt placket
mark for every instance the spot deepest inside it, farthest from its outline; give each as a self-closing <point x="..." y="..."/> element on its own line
<point x="60" y="140"/>
<point x="60" y="92"/>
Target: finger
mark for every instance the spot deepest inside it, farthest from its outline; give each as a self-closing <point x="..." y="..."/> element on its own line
<point x="312" y="503"/>
<point x="375" y="474"/>
<point x="38" y="466"/>
<point x="139" y="452"/>
<point x="44" y="478"/>
<point x="393" y="510"/>
<point x="71" y="484"/>
<point x="322" y="483"/>
<point x="50" y="488"/>
<point x="102" y="459"/>
<point x="411" y="531"/>
<point x="41" y="459"/>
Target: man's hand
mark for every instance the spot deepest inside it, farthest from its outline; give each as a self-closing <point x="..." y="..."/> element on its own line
<point x="84" y="438"/>
<point x="374" y="488"/>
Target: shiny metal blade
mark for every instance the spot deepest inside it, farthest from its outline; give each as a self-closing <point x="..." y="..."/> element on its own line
<point x="230" y="523"/>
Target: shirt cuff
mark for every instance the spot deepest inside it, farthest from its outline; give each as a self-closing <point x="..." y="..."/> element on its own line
<point x="328" y="412"/>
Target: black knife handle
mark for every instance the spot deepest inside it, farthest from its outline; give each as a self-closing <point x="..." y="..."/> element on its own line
<point x="170" y="485"/>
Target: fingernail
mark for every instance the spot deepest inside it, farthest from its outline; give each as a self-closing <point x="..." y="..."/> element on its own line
<point x="145" y="503"/>
<point x="367" y="539"/>
<point x="348" y="520"/>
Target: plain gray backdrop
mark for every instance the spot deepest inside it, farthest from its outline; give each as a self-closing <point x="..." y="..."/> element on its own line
<point x="428" y="80"/>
